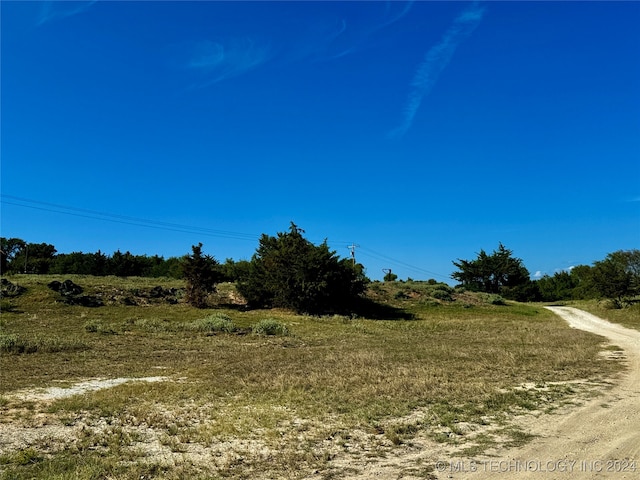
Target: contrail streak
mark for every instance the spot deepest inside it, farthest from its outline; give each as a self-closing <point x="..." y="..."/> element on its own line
<point x="435" y="61"/>
<point x="53" y="11"/>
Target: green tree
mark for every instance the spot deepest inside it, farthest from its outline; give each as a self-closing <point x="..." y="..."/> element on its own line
<point x="288" y="271"/>
<point x="617" y="277"/>
<point x="123" y="264"/>
<point x="73" y="263"/>
<point x="201" y="274"/>
<point x="129" y="265"/>
<point x="100" y="263"/>
<point x="389" y="276"/>
<point x="232" y="270"/>
<point x="9" y="249"/>
<point x="499" y="272"/>
<point x="33" y="258"/>
<point x="171" y="267"/>
<point x="559" y="287"/>
<point x="582" y="278"/>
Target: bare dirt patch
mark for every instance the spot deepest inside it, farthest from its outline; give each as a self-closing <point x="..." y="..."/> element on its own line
<point x="42" y="428"/>
<point x="92" y="385"/>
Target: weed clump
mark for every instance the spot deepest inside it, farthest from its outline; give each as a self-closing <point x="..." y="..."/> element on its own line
<point x="496" y="300"/>
<point x="95" y="326"/>
<point x="218" y="322"/>
<point x="153" y="325"/>
<point x="270" y="326"/>
<point x="8" y="342"/>
<point x="15" y="344"/>
<point x="27" y="456"/>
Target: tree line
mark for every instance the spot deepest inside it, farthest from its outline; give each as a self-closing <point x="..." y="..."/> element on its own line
<point x="616" y="277"/>
<point x="288" y="271"/>
<point x="18" y="256"/>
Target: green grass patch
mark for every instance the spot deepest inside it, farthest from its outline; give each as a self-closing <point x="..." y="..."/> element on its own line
<point x="95" y="326"/>
<point x="27" y="456"/>
<point x="11" y="343"/>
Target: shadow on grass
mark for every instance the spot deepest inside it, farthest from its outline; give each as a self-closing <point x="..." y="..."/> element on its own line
<point x="8" y="307"/>
<point x="364" y="307"/>
<point x="367" y="308"/>
<point x="242" y="307"/>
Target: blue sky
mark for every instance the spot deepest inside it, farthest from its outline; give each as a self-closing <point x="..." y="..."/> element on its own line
<point x="420" y="131"/>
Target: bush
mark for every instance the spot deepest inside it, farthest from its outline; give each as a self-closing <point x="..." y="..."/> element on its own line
<point x="270" y="326"/>
<point x="8" y="342"/>
<point x="218" y="322"/>
<point x="400" y="295"/>
<point x="495" y="300"/>
<point x="443" y="294"/>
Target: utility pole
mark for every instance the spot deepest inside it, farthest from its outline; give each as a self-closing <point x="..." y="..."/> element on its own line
<point x="387" y="273"/>
<point x="352" y="247"/>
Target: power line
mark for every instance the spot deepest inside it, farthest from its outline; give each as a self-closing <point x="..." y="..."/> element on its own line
<point x="379" y="256"/>
<point x="175" y="227"/>
<point x="123" y="219"/>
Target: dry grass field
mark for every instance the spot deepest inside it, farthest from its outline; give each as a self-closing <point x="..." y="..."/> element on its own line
<point x="229" y="393"/>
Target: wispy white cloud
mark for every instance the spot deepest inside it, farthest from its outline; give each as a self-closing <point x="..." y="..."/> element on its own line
<point x="314" y="41"/>
<point x="323" y="39"/>
<point x="57" y="10"/>
<point x="332" y="39"/>
<point x="435" y="61"/>
<point x="206" y="55"/>
<point x="394" y="17"/>
<point x="538" y="274"/>
<point x="217" y="61"/>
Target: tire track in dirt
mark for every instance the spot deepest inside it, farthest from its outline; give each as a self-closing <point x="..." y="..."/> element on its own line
<point x="599" y="440"/>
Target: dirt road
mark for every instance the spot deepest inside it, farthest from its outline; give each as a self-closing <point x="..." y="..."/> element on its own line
<point x="598" y="440"/>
